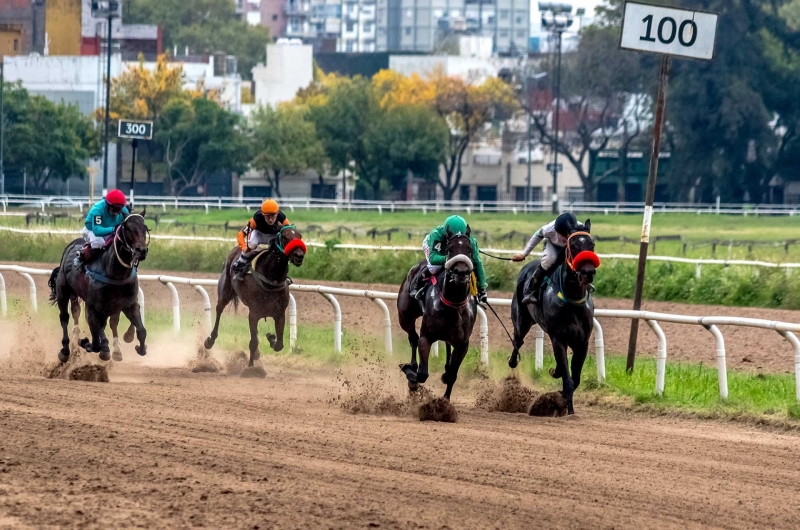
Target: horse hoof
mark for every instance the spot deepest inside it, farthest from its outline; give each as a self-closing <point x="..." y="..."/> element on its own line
<point x="513" y="361"/>
<point x="128" y="336"/>
<point x="413" y="386"/>
<point x="63" y="356"/>
<point x="553" y="373"/>
<point x="141" y="350"/>
<point x="105" y="355"/>
<point x="85" y="344"/>
<point x="271" y="338"/>
<point x="421" y="378"/>
<point x="209" y="343"/>
<point x="117" y="356"/>
<point x="411" y="376"/>
<point x="278" y="346"/>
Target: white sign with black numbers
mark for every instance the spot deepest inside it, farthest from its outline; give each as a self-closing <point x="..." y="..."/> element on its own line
<point x="140" y="130"/>
<point x="670" y="31"/>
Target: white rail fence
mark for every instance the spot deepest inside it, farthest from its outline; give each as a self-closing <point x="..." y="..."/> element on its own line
<point x="514" y="207"/>
<point x="698" y="263"/>
<point x="786" y="329"/>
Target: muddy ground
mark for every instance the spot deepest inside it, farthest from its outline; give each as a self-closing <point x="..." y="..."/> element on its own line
<point x="166" y="448"/>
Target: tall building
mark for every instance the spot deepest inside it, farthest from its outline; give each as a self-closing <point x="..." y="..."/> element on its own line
<point x="418" y="25"/>
<point x="512" y="26"/>
<point x="22" y="27"/>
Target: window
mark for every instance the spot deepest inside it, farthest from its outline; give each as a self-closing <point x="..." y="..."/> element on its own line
<point x="274" y="17"/>
<point x="520" y="194"/>
<point x="368" y="27"/>
<point x="438" y="13"/>
<point x="486" y="160"/>
<point x="503" y="33"/>
<point x="348" y="47"/>
<point x="409" y="13"/>
<point x="408" y="31"/>
<point x="16" y="45"/>
<point x="351" y="26"/>
<point x="487" y="193"/>
<point x="521" y="33"/>
<point x="463" y="193"/>
<point x="504" y="14"/>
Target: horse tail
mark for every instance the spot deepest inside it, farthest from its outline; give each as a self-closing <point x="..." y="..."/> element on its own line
<point x="235" y="303"/>
<point x="52" y="284"/>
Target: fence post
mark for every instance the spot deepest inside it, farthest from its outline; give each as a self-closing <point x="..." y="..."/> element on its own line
<point x="698" y="271"/>
<point x="484" y="334"/>
<point x="141" y="304"/>
<point x="661" y="357"/>
<point x="538" y="363"/>
<point x="206" y="305"/>
<point x="387" y="325"/>
<point x="337" y="322"/>
<point x="3" y="303"/>
<point x="176" y="308"/>
<point x="722" y="373"/>
<point x="32" y="285"/>
<point x="796" y="345"/>
<point x="435" y="349"/>
<point x="292" y="323"/>
<point x="599" y="352"/>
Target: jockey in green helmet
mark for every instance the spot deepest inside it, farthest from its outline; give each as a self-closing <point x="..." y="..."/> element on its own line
<point x="435" y="248"/>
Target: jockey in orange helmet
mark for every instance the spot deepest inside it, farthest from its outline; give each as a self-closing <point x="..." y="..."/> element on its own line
<point x="265" y="226"/>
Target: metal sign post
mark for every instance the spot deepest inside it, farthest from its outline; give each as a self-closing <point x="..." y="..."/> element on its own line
<point x="670" y="32"/>
<point x="137" y="130"/>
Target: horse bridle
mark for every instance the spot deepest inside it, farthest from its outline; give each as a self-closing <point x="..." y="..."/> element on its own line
<point x="570" y="258"/>
<point x="120" y="236"/>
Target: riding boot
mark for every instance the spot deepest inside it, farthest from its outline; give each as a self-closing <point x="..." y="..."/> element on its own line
<point x="531" y="292"/>
<point x="240" y="267"/>
<point x="85" y="255"/>
<point x="420" y="283"/>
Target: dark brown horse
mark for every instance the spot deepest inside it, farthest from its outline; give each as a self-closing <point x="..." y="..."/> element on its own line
<point x="109" y="286"/>
<point x="565" y="310"/>
<point x="448" y="314"/>
<point x="265" y="290"/>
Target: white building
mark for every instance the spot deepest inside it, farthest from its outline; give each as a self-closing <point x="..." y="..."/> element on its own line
<point x="289" y="68"/>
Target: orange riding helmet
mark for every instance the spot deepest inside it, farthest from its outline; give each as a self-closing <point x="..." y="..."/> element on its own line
<point x="269" y="207"/>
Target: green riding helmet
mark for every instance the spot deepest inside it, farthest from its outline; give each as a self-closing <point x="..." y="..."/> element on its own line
<point x="456" y="224"/>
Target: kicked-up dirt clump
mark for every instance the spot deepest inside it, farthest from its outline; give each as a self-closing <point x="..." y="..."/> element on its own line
<point x="206" y="367"/>
<point x="236" y="362"/>
<point x="550" y="405"/>
<point x="371" y="391"/>
<point x="253" y="372"/>
<point x="438" y="409"/>
<point x="205" y="363"/>
<point x="93" y="373"/>
<point x="510" y="395"/>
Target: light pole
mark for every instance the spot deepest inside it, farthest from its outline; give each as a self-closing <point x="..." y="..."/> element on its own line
<point x="108" y="9"/>
<point x="2" y="126"/>
<point x="558" y="18"/>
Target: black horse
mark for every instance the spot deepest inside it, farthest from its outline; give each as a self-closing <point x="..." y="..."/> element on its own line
<point x="565" y="310"/>
<point x="265" y="291"/>
<point x="448" y="314"/>
<point x="109" y="286"/>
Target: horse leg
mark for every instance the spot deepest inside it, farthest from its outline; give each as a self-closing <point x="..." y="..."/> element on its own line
<point x="225" y="295"/>
<point x="451" y="370"/>
<point x="134" y="314"/>
<point x="523" y="322"/>
<point x="97" y="326"/>
<point x="128" y="336"/>
<point x="562" y="370"/>
<point x="276" y="340"/>
<point x="63" y="316"/>
<point x="413" y="340"/>
<point x="253" y="338"/>
<point x="449" y="350"/>
<point x="113" y="322"/>
<point x="75" y="307"/>
<point x="579" y="352"/>
<point x="424" y="352"/>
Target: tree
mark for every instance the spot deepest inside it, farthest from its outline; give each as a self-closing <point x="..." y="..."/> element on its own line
<point x="205" y="26"/>
<point x="46" y="139"/>
<point x="285" y="142"/>
<point x="464" y="106"/>
<point x="199" y="138"/>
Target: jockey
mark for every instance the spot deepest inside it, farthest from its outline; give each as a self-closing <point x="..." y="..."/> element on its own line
<point x="101" y="222"/>
<point x="435" y="248"/>
<point x="555" y="235"/>
<point x="262" y="229"/>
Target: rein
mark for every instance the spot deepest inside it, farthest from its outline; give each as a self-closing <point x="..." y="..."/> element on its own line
<point x="264" y="282"/>
<point x="571" y="260"/>
<point x="120" y="230"/>
<point x="495" y="257"/>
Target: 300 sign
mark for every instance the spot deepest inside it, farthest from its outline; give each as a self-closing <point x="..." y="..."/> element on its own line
<point x="140" y="130"/>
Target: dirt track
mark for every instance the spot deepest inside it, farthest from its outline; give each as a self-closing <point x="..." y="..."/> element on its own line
<point x="747" y="348"/>
<point x="164" y="448"/>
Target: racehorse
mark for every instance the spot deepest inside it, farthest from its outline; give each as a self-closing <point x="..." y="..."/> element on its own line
<point x="109" y="286"/>
<point x="448" y="313"/>
<point x="565" y="310"/>
<point x="265" y="290"/>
